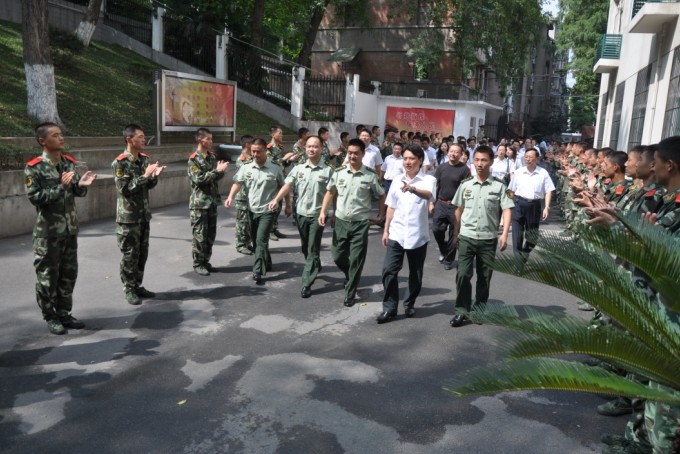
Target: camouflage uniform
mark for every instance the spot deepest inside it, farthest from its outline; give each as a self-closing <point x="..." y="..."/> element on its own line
<point x="205" y="196"/>
<point x="243" y="240"/>
<point x="55" y="244"/>
<point x="335" y="162"/>
<point x="132" y="216"/>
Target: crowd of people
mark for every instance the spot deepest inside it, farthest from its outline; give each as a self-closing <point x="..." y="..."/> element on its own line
<point x="471" y="189"/>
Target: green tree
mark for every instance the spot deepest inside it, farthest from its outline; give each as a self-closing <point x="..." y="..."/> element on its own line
<point x="582" y="24"/>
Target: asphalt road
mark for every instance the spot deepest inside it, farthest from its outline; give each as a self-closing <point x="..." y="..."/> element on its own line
<point x="219" y="364"/>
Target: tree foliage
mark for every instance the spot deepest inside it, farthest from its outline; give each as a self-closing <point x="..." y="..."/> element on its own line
<point x="583" y="23"/>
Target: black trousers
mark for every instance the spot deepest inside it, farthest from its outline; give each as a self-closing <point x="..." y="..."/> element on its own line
<point x="394" y="260"/>
<point x="443" y="222"/>
<point x="525" y="219"/>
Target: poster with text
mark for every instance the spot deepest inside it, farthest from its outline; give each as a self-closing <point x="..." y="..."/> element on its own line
<point x="420" y="119"/>
<point x="190" y="102"/>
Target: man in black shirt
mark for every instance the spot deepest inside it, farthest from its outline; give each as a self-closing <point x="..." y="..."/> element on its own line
<point x="448" y="178"/>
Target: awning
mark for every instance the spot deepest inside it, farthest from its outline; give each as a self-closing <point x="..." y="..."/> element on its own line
<point x="344" y="54"/>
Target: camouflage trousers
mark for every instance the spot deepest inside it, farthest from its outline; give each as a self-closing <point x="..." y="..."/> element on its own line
<point x="204" y="228"/>
<point x="243" y="239"/>
<point x="657" y="427"/>
<point x="133" y="242"/>
<point x="56" y="267"/>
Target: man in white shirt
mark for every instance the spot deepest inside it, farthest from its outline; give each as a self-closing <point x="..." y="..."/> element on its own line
<point x="392" y="167"/>
<point x="530" y="185"/>
<point x="431" y="154"/>
<point x="406" y="233"/>
<point x="372" y="157"/>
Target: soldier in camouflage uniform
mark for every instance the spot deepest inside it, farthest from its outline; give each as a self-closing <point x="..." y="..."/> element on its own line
<point x="204" y="172"/>
<point x="339" y="155"/>
<point x="324" y="135"/>
<point x="244" y="243"/>
<point x="134" y="176"/>
<point x="52" y="184"/>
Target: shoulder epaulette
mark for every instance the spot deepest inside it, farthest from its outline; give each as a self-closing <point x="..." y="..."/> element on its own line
<point x="650" y="193"/>
<point x="620" y="189"/>
<point x="34" y="161"/>
<point x="141" y="153"/>
<point x="499" y="180"/>
<point x="466" y="179"/>
<point x="677" y="198"/>
<point x="193" y="155"/>
<point x="120" y="157"/>
<point x="70" y="158"/>
<point x="370" y="169"/>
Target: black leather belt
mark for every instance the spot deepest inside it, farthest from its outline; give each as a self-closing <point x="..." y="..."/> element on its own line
<point x="522" y="199"/>
<point x="443" y="200"/>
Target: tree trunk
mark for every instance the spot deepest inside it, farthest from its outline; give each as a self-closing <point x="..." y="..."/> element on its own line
<point x="89" y="23"/>
<point x="255" y="74"/>
<point x="310" y="37"/>
<point x="40" y="88"/>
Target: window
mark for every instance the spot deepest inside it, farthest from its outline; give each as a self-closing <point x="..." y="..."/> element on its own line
<point x="616" y="121"/>
<point x="603" y="119"/>
<point x="637" y="121"/>
<point x="671" y="122"/>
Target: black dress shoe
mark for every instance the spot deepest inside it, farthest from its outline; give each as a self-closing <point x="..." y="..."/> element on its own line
<point x="459" y="320"/>
<point x="306" y="292"/>
<point x="349" y="302"/>
<point x="410" y="312"/>
<point x="448" y="266"/>
<point x="211" y="268"/>
<point x="257" y="277"/>
<point x="385" y="317"/>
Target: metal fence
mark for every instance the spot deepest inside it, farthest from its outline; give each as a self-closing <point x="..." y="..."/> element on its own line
<point x="431" y="90"/>
<point x="261" y="75"/>
<point x="130" y="17"/>
<point x="324" y="98"/>
<point x="190" y="42"/>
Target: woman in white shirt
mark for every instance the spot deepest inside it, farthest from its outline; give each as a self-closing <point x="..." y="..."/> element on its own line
<point x="407" y="232"/>
<point x="500" y="167"/>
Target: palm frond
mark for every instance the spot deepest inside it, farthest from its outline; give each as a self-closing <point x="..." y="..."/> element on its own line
<point x="651" y="249"/>
<point x="541" y="334"/>
<point x="557" y="374"/>
<point x="583" y="272"/>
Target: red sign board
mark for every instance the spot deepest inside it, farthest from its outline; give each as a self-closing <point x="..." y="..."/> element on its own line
<point x="420" y="119"/>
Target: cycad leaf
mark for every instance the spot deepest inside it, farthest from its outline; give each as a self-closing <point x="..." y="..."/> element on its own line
<point x="583" y="272"/>
<point x="548" y="373"/>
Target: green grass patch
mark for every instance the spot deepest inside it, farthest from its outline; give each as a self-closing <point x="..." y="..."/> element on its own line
<point x="99" y="89"/>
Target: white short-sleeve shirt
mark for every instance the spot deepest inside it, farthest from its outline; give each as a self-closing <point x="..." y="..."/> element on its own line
<point x="531" y="185"/>
<point x="410" y="225"/>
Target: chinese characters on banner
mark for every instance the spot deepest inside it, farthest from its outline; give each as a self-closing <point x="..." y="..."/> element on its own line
<point x="197" y="103"/>
<point x="420" y="119"/>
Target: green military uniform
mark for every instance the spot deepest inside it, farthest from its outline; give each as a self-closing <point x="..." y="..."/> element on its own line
<point x="132" y="217"/>
<point x="482" y="203"/>
<point x="276" y="154"/>
<point x="244" y="243"/>
<point x="335" y="162"/>
<point x="646" y="199"/>
<point x="309" y="183"/>
<point x="261" y="185"/>
<point x="205" y="196"/>
<point x="325" y="153"/>
<point x="55" y="233"/>
<point x="300" y="155"/>
<point x="614" y="192"/>
<point x="355" y="191"/>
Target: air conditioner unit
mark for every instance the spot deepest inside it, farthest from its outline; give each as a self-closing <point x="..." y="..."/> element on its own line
<point x="421" y="93"/>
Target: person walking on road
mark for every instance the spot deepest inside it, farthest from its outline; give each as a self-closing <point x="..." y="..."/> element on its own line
<point x="406" y="233"/>
<point x="353" y="187"/>
<point x="479" y="202"/>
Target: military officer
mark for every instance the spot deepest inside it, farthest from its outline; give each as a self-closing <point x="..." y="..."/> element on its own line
<point x="276" y="154"/>
<point x="52" y="184"/>
<point x="355" y="186"/>
<point x="262" y="179"/>
<point x="479" y="201"/>
<point x="204" y="172"/>
<point x="244" y="243"/>
<point x="309" y="180"/>
<point x="134" y="177"/>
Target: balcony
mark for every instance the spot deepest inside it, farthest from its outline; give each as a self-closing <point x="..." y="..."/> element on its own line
<point x="608" y="52"/>
<point x="649" y="15"/>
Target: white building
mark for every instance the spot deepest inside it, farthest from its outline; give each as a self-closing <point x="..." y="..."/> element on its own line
<point x="639" y="59"/>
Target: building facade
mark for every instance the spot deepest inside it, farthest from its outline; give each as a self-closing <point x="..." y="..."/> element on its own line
<point x="639" y="59"/>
